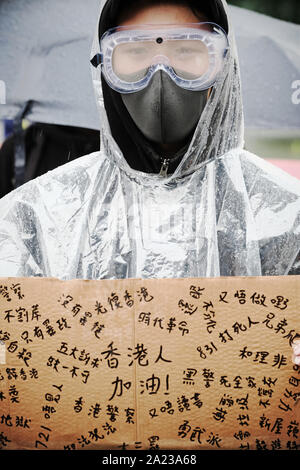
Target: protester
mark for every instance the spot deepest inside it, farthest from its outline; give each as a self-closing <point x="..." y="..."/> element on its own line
<point x="172" y="192"/>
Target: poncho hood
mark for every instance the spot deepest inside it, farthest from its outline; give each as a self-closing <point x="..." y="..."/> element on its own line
<point x="223" y="212"/>
<point x="220" y="127"/>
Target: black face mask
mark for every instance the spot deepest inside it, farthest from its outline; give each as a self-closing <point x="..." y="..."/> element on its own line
<point x="164" y="112"/>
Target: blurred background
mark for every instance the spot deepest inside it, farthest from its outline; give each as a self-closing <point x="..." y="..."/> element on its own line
<point x="48" y="114"/>
<point x="282" y="146"/>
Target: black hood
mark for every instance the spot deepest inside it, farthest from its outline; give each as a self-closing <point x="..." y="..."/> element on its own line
<point x="137" y="150"/>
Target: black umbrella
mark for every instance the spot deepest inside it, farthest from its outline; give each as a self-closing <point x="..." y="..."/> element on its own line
<point x="45" y="49"/>
<point x="44" y="61"/>
<point x="44" y="68"/>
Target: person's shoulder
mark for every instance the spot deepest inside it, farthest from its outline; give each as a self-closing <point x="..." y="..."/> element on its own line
<point x="261" y="173"/>
<point x="84" y="164"/>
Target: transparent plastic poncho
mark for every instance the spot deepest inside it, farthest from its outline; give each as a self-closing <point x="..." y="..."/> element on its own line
<point x="224" y="212"/>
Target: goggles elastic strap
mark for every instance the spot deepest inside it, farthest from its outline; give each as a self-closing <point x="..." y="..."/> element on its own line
<point x="97" y="60"/>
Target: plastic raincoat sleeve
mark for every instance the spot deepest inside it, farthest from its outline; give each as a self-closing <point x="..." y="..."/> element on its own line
<point x="223" y="212"/>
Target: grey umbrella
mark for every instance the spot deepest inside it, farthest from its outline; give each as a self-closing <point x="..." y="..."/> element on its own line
<point x="44" y="60"/>
<point x="44" y="63"/>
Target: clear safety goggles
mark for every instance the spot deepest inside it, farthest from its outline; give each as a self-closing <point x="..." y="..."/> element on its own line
<point x="191" y="54"/>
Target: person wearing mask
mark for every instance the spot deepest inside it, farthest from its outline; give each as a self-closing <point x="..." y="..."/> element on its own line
<point x="172" y="192"/>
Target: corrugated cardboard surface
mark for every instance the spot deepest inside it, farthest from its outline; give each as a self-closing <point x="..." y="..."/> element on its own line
<point x="149" y="364"/>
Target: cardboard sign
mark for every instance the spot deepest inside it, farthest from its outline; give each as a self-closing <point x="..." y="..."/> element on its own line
<point x="149" y="364"/>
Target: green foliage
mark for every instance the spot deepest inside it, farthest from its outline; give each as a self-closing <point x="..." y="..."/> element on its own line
<point x="287" y="10"/>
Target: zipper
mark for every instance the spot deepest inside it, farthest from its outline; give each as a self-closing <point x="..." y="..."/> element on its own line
<point x="164" y="167"/>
